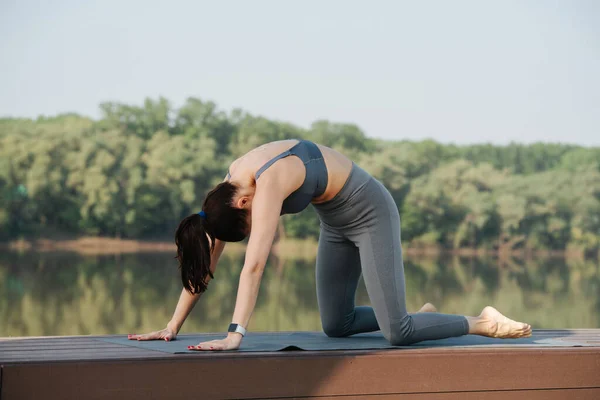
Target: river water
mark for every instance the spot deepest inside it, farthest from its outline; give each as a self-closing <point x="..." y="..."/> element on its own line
<point x="71" y="294"/>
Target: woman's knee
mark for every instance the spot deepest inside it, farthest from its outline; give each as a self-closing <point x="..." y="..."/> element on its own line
<point x="334" y="329"/>
<point x="400" y="333"/>
<point x="397" y="338"/>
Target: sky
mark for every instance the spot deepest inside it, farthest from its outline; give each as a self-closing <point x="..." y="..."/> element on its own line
<point x="454" y="71"/>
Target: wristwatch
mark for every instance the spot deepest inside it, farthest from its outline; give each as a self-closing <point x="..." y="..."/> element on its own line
<point x="237" y="328"/>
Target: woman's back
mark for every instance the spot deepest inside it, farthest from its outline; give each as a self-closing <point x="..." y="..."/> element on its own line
<point x="245" y="168"/>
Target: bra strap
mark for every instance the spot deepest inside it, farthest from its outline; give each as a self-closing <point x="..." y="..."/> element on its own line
<point x="270" y="162"/>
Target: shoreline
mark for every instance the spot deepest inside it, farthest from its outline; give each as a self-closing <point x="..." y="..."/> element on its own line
<point x="304" y="248"/>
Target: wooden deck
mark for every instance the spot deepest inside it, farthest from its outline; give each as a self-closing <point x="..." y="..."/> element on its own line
<point x="84" y="368"/>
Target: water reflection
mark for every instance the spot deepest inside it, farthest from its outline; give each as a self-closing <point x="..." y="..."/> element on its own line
<point x="68" y="294"/>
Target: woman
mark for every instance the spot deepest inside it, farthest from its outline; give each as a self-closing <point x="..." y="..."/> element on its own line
<point x="360" y="233"/>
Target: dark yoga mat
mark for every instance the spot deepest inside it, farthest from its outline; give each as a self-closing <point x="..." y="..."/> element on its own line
<point x="286" y="341"/>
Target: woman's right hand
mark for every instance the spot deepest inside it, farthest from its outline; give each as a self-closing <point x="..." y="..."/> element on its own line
<point x="164" y="334"/>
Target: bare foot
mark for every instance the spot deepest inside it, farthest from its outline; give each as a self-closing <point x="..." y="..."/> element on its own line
<point x="428" y="307"/>
<point x="492" y="323"/>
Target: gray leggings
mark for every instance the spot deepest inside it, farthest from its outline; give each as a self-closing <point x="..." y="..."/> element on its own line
<point x="360" y="232"/>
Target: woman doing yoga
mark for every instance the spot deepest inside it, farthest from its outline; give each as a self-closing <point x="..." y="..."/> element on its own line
<point x="360" y="233"/>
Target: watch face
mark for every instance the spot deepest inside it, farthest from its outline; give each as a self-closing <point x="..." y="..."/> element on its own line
<point x="237" y="328"/>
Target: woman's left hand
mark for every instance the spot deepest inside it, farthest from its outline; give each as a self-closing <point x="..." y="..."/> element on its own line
<point x="229" y="343"/>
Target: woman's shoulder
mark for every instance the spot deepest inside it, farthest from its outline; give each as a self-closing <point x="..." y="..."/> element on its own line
<point x="252" y="160"/>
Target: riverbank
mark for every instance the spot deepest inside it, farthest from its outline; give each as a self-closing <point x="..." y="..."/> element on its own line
<point x="298" y="248"/>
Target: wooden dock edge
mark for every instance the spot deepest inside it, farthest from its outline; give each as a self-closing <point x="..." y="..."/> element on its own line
<point x="540" y="373"/>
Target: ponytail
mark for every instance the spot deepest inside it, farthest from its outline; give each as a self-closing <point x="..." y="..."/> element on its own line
<point x="193" y="252"/>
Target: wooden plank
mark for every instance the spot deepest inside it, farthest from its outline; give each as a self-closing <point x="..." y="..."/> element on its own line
<point x="74" y="340"/>
<point x="566" y="333"/>
<point x="89" y="348"/>
<point x="127" y="352"/>
<point x="136" y="353"/>
<point x="93" y="337"/>
<point x="395" y="372"/>
<point x="56" y="344"/>
<point x="560" y="394"/>
<point x="83" y="353"/>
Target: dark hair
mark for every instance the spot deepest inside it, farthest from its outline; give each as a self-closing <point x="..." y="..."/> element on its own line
<point x="222" y="221"/>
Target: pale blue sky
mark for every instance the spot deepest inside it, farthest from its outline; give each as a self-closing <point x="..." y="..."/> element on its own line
<point x="456" y="71"/>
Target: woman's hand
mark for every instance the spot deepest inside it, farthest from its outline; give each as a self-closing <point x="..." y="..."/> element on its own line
<point x="231" y="342"/>
<point x="164" y="334"/>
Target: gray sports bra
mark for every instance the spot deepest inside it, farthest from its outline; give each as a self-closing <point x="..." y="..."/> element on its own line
<point x="315" y="182"/>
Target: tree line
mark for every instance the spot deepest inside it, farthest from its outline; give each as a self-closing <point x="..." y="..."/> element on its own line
<point x="136" y="171"/>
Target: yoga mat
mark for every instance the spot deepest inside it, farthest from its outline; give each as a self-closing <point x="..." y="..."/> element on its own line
<point x="289" y="341"/>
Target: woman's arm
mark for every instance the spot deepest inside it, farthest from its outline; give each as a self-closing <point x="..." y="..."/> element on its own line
<point x="187" y="300"/>
<point x="186" y="303"/>
<point x="266" y="208"/>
